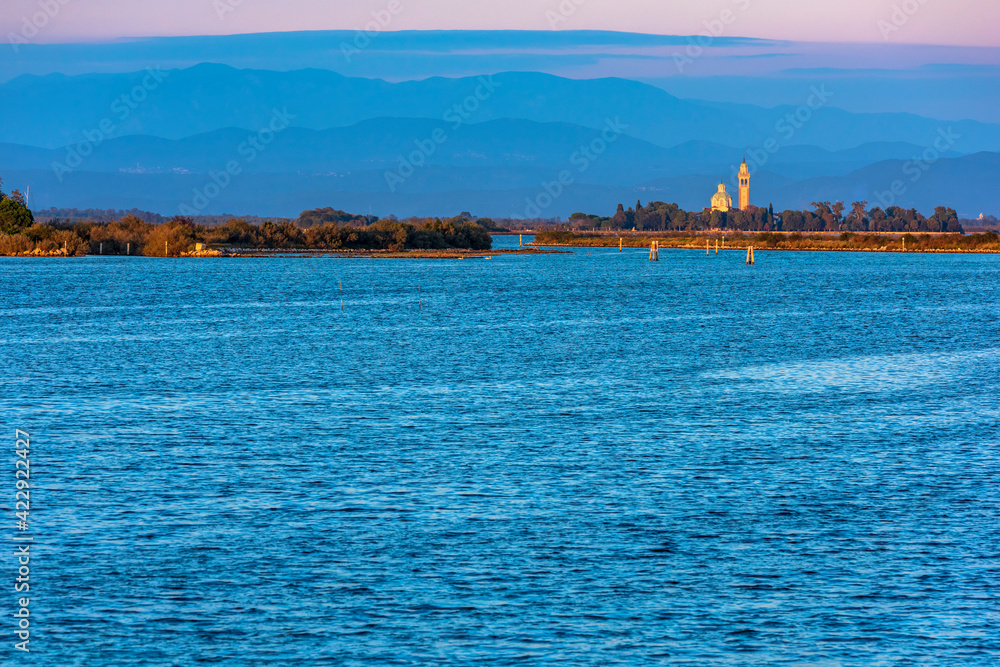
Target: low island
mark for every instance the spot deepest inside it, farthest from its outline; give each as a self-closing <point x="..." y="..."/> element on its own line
<point x="827" y="227"/>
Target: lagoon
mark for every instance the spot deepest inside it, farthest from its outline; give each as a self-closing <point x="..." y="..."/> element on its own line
<point x="572" y="459"/>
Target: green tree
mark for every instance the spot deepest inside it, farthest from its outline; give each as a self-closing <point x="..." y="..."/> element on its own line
<point x="15" y="217"/>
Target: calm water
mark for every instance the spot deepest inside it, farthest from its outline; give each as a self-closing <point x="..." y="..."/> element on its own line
<point x="578" y="459"/>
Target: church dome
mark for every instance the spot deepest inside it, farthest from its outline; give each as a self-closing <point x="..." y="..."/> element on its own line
<point x="721" y="200"/>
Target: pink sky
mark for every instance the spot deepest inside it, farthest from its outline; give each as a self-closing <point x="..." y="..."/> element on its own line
<point x="956" y="22"/>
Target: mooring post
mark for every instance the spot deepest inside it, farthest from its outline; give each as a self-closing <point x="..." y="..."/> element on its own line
<point x="619" y="244"/>
<point x="707" y="247"/>
<point x="520" y="240"/>
<point x="128" y="248"/>
<point x="716" y="246"/>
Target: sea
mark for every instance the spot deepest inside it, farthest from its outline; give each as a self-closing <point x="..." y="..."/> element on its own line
<point x="578" y="458"/>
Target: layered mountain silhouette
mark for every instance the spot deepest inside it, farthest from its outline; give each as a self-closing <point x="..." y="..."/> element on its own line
<point x="153" y="139"/>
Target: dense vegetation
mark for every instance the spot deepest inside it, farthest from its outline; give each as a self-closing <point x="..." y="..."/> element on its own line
<point x="846" y="241"/>
<point x="15" y="216"/>
<point x="325" y="229"/>
<point x="825" y="217"/>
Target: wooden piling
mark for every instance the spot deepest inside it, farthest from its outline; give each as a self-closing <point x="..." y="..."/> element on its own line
<point x="716" y="246"/>
<point x="619" y="244"/>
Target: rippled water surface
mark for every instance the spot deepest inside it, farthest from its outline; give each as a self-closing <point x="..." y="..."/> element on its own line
<point x="573" y="459"/>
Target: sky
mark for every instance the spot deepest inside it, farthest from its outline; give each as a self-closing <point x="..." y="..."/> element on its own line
<point x="943" y="22"/>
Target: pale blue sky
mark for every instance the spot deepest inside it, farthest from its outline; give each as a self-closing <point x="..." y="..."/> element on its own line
<point x="957" y="22"/>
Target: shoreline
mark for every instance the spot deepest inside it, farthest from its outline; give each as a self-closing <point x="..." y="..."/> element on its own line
<point x="302" y="253"/>
<point x="900" y="243"/>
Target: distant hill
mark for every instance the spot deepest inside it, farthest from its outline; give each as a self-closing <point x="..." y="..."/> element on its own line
<point x="965" y="183"/>
<point x="485" y="144"/>
<point x="491" y="155"/>
<point x="55" y="110"/>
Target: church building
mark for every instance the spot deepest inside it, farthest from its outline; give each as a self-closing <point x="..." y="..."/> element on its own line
<point x="721" y="201"/>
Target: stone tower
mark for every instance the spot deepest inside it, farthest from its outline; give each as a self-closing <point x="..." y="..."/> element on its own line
<point x="744" y="186"/>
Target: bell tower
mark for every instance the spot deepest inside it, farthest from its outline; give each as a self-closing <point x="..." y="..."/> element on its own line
<point x="744" y="185"/>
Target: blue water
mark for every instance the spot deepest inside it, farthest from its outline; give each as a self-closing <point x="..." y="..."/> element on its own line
<point x="573" y="459"/>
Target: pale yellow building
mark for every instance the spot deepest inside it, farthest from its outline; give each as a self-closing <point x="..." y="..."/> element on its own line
<point x="744" y="186"/>
<point x="721" y="201"/>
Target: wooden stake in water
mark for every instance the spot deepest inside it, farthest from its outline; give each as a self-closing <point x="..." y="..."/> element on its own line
<point x="619" y="244"/>
<point x="128" y="248"/>
<point x="716" y="246"/>
<point x="707" y="249"/>
<point x="166" y="249"/>
<point x="520" y="240"/>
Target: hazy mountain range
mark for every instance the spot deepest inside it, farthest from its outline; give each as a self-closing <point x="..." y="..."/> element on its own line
<point x="156" y="138"/>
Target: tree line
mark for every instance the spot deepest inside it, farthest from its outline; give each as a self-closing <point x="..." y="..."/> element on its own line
<point x="825" y="216"/>
<point x="321" y="229"/>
